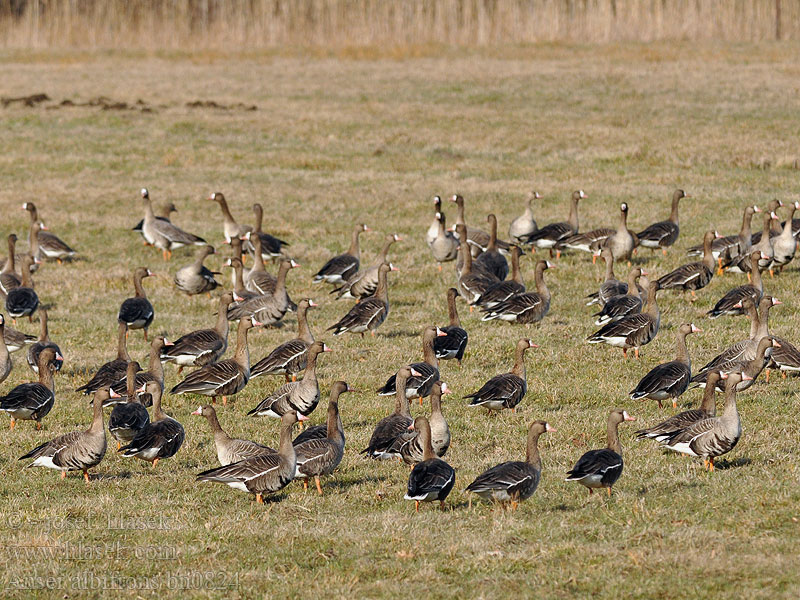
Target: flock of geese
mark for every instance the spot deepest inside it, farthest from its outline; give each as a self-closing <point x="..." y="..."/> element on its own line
<point x="628" y="318"/>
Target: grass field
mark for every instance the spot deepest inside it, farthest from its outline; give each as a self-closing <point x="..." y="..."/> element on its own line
<point x="338" y="141"/>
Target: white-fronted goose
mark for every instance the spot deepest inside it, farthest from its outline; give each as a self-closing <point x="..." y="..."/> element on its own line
<point x="528" y="307"/>
<point x="602" y="468"/>
<point x="269" y="308"/>
<point x="5" y="356"/>
<point x="503" y="290"/>
<point x="161" y="438"/>
<point x="202" y="346"/>
<point x="731" y="303"/>
<point x="444" y="246"/>
<point x="550" y="235"/>
<point x="625" y="304"/>
<point x="751" y="367"/>
<point x="741" y="262"/>
<point x="385" y="443"/>
<point x="262" y="474"/>
<point x="75" y="451"/>
<point x="8" y="276"/>
<point x="692" y="276"/>
<point x="785" y="358"/>
<point x="163" y="234"/>
<point x="490" y="260"/>
<point x="364" y="283"/>
<point x="663" y="234"/>
<point x="524" y="225"/>
<point x="238" y="280"/>
<point x="784" y="244"/>
<point x="611" y="286"/>
<point x="15" y="340"/>
<point x="229" y="450"/>
<point x="137" y="312"/>
<point x="49" y="244"/>
<point x="231" y="228"/>
<point x="342" y="266"/>
<point x="290" y="357"/>
<point x="432" y="479"/>
<point x="730" y="246"/>
<point x="508" y="389"/>
<point x="368" y="314"/>
<point x="271" y="247"/>
<point x="23" y="301"/>
<point x="128" y="418"/>
<point x="32" y="401"/>
<point x="162" y="213"/>
<point x="477" y="239"/>
<point x="195" y="278"/>
<point x="433" y="228"/>
<point x="155" y="370"/>
<point x="224" y="378"/>
<point x="296" y="396"/>
<point x="34" y="350"/>
<point x="454" y="342"/>
<point x="670" y="379"/>
<point x="775" y="227"/>
<point x="258" y="279"/>
<point x="632" y="331"/>
<point x="621" y="242"/>
<point x="472" y="284"/>
<point x="411" y="449"/>
<point x="516" y="480"/>
<point x="111" y="372"/>
<point x="590" y="241"/>
<point x="318" y="457"/>
<point x="419" y="386"/>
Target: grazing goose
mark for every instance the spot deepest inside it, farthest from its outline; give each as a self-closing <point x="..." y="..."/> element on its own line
<point x="433" y="228"/>
<point x="111" y="372"/>
<point x="162" y="213"/>
<point x="714" y="436"/>
<point x="432" y="479"/>
<point x="444" y="246"/>
<point x="684" y="419"/>
<point x="49" y="244"/>
<point x="632" y="331"/>
<point x="730" y="246"/>
<point x="128" y="418"/>
<point x="137" y="312"/>
<point x="224" y="378"/>
<point x="270" y="308"/>
<point x="238" y="281"/>
<point x="731" y="303"/>
<point x="740" y="263"/>
<point x="8" y="276"/>
<point x="75" y="451"/>
<point x="625" y="304"/>
<point x="195" y="278"/>
<point x="621" y="241"/>
<point x="32" y="401"/>
<point x="671" y="379"/>
<point x="784" y="244"/>
<point x="34" y="350"/>
<point x="611" y="286"/>
<point x="364" y="283"/>
<point x="231" y="228"/>
<point x="419" y="386"/>
<point x="411" y="448"/>
<point x="22" y="301"/>
<point x="163" y="234"/>
<point x="524" y="225"/>
<point x="664" y="233"/>
<point x="515" y="480"/>
<point x="692" y="276"/>
<point x="602" y="468"/>
<point x="368" y="314"/>
<point x="258" y="279"/>
<point x="155" y="370"/>
<point x="262" y="474"/>
<point x="508" y="389"/>
<point x="296" y="396"/>
<point x="528" y="307"/>
<point x="454" y="342"/>
<point x="477" y="239"/>
<point x="5" y="357"/>
<point x="550" y="235"/>
<point x="490" y="260"/>
<point x="386" y="438"/>
<point x="472" y="284"/>
<point x="202" y="346"/>
<point x="15" y="340"/>
<point x="229" y="450"/>
<point x="290" y="357"/>
<point x="271" y="247"/>
<point x="318" y="457"/>
<point x="342" y="266"/>
<point x="503" y="290"/>
<point x="161" y="438"/>
<point x="751" y="367"/>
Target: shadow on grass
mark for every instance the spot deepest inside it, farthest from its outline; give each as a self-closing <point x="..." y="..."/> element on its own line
<point x="732" y="464"/>
<point x="396" y="334"/>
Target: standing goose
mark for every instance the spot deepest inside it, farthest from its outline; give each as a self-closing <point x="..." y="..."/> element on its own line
<point x="411" y="449"/>
<point x="128" y="418"/>
<point x="692" y="276"/>
<point x="155" y="370"/>
<point x="258" y="279"/>
<point x="503" y="290"/>
<point x="163" y="213"/>
<point x="202" y="346"/>
<point x="751" y="367"/>
<point x="238" y="280"/>
<point x="625" y="304"/>
<point x="271" y="246"/>
<point x="550" y="235"/>
<point x="671" y="379"/>
<point x="224" y="378"/>
<point x="524" y="225"/>
<point x="137" y="312"/>
<point x="621" y="241"/>
<point x="589" y="241"/>
<point x="472" y="284"/>
<point x="161" y="438"/>
<point x="342" y="266"/>
<point x="290" y="357"/>
<point x="49" y="244"/>
<point x="632" y="331"/>
<point x="516" y="480"/>
<point x="75" y="451"/>
<point x="5" y="357"/>
<point x="268" y="309"/>
<point x="490" y="260"/>
<point x="528" y="307"/>
<point x="508" y="389"/>
<point x="714" y="436"/>
<point x="34" y="350"/>
<point x="32" y="401"/>
<point x="741" y="262"/>
<point x="262" y="474"/>
<point x="231" y="228"/>
<point x="664" y="233"/>
<point x="602" y="468"/>
<point x="22" y="301"/>
<point x="296" y="396"/>
<point x="368" y="314"/>
<point x="163" y="234"/>
<point x="784" y="244"/>
<point x="775" y="226"/>
<point x="229" y="450"/>
<point x="8" y="276"/>
<point x="364" y="283"/>
<point x="731" y="246"/>
<point x="432" y="479"/>
<point x="731" y="303"/>
<point x="433" y="228"/>
<point x="385" y="440"/>
<point x="454" y="342"/>
<point x="444" y="246"/>
<point x="112" y="371"/>
<point x="611" y="286"/>
<point x="419" y="386"/>
<point x="195" y="278"/>
<point x="318" y="457"/>
<point x="477" y="239"/>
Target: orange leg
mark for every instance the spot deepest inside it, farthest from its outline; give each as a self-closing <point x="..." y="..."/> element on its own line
<point x="259" y="498"/>
<point x="119" y="445"/>
<point x="294" y="377"/>
<point x="749" y="277"/>
<point x="213" y="399"/>
<point x="783" y="374"/>
<point x="625" y="354"/>
<point x="224" y="401"/>
<point x="305" y="485"/>
<point x="767" y="376"/>
<point x="608" y="489"/>
<point x="38" y="425"/>
<point x="416" y="504"/>
<point x="13" y="422"/>
<point x="441" y="504"/>
<point x="372" y="333"/>
<point x="145" y="335"/>
<point x="711" y="464"/>
<point x="594" y="259"/>
<point x="420" y="400"/>
<point x="636" y="352"/>
<point x="180" y="369"/>
<point x="664" y="251"/>
<point x="319" y="487"/>
<point x="86" y="476"/>
<point x="155" y="462"/>
<point x="63" y="474"/>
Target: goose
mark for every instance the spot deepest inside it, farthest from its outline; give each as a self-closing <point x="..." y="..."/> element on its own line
<point x="161" y="438"/>
<point x="513" y="481"/>
<point x="490" y="260"/>
<point x="524" y="225"/>
<point x="137" y="312"/>
<point x="128" y="418"/>
<point x="632" y="331"/>
<point x="590" y="241"/>
<point x="229" y="450"/>
<point x="433" y="228"/>
<point x="297" y="396"/>
<point x="454" y="342"/>
<point x="550" y="235"/>
<point x="22" y="301"/>
<point x="163" y="234"/>
<point x="238" y="281"/>
<point x="663" y="234"/>
<point x="5" y="356"/>
<point x="785" y="358"/>
<point x="752" y="367"/>
<point x="385" y="440"/>
<point x="364" y="283"/>
<point x="731" y="302"/>
<point x="271" y="247"/>
<point x="611" y="286"/>
<point x="231" y="228"/>
<point x="503" y="290"/>
<point x="33" y="401"/>
<point x="162" y="213"/>
<point x="602" y="468"/>
<point x="444" y="246"/>
<point x="8" y="276"/>
<point x="741" y="262"/>
<point x="432" y="479"/>
<point x="270" y="308"/>
<point x="262" y="474"/>
<point x="671" y="379"/>
<point x="15" y="340"/>
<point x="505" y="390"/>
<point x="477" y="239"/>
<point x="258" y="279"/>
<point x="682" y="420"/>
<point x="195" y="278"/>
<point x="34" y="350"/>
<point x="340" y="267"/>
<point x="202" y="346"/>
<point x="419" y="386"/>
<point x="155" y="370"/>
<point x="319" y="457"/>
<point x="368" y="314"/>
<point x="621" y="241"/>
<point x="775" y="227"/>
<point x="714" y="436"/>
<point x="49" y="244"/>
<point x="726" y="247"/>
<point x="692" y="276"/>
<point x="411" y="448"/>
<point x="290" y="357"/>
<point x="224" y="378"/>
<point x="111" y="372"/>
<point x="784" y="244"/>
<point x="472" y="284"/>
<point x="625" y="304"/>
<point x="528" y="307"/>
<point x="75" y="451"/>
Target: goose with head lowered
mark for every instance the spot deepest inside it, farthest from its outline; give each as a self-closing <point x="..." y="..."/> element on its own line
<point x="196" y="278"/>
<point x="342" y="266"/>
<point x="368" y="314"/>
<point x="229" y="450"/>
<point x="524" y="225"/>
<point x="137" y="312"/>
<point x="290" y="357"/>
<point x="625" y="304"/>
<point x="507" y="389"/>
<point x="111" y="372"/>
<point x="432" y="479"/>
<point x="364" y="283"/>
<point x="163" y="234"/>
<point x="161" y="438"/>
<point x="632" y="331"/>
<point x="49" y="245"/>
<point x="454" y="342"/>
<point x="33" y="401"/>
<point x="552" y="234"/>
<point x="387" y="438"/>
<point x="202" y="346"/>
<point x="527" y="307"/>
<point x="22" y="301"/>
<point x="129" y="417"/>
<point x="34" y="350"/>
<point x="692" y="276"/>
<point x="419" y="386"/>
<point x="663" y="234"/>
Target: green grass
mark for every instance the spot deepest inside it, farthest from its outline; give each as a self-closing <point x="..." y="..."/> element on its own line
<point x="335" y="142"/>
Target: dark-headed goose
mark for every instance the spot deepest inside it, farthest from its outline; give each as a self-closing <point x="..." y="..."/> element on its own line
<point x="34" y="350"/>
<point x="23" y="301"/>
<point x="490" y="260"/>
<point x="128" y="418"/>
<point x="33" y="401"/>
